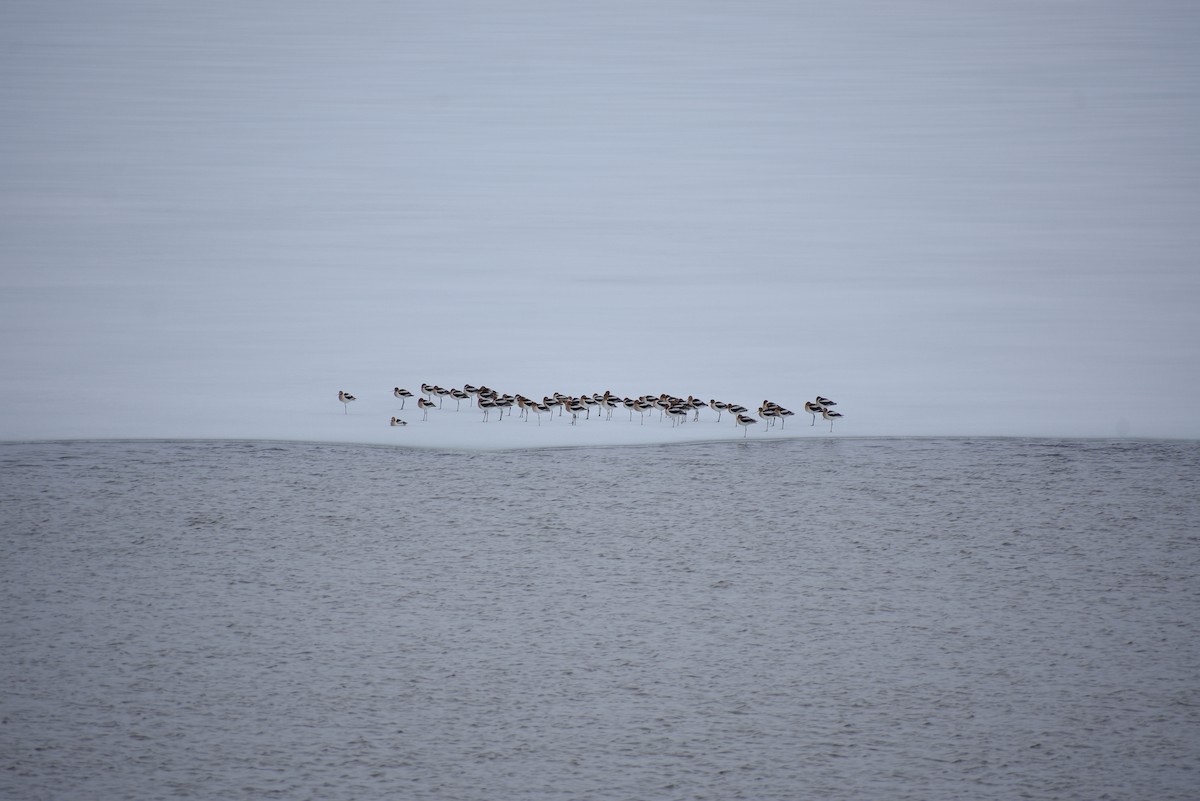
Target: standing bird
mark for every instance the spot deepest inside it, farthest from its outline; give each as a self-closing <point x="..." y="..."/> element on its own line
<point x="504" y="402"/>
<point x="396" y="421"/>
<point x="609" y="402"/>
<point x="768" y="413"/>
<point x="718" y="407"/>
<point x="576" y="406"/>
<point x="401" y="394"/>
<point x="425" y="406"/>
<point x="830" y="416"/>
<point x="814" y="409"/>
<point x="826" y="402"/>
<point x="486" y="404"/>
<point x="663" y="402"/>
<point x="745" y="422"/>
<point x="346" y="398"/>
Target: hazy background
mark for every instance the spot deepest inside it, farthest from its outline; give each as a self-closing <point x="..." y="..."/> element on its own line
<point x="959" y="218"/>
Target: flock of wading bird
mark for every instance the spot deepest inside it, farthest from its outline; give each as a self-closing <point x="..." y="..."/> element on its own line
<point x="667" y="406"/>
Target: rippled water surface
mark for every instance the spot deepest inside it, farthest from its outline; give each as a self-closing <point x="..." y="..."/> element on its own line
<point x="843" y="618"/>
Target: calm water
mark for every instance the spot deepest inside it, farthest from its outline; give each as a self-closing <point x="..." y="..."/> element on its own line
<point x="843" y="618"/>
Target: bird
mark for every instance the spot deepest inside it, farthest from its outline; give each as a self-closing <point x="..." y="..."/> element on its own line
<point x="830" y="416"/>
<point x="826" y="402"/>
<point x="736" y="410"/>
<point x="428" y="390"/>
<point x="486" y="404"/>
<point x="784" y="414"/>
<point x="609" y="402"/>
<point x="459" y="396"/>
<point x="346" y="398"/>
<point x="814" y="409"/>
<point x="504" y="402"/>
<point x="396" y="421"/>
<point x="745" y="422"/>
<point x="589" y="401"/>
<point x="768" y="413"/>
<point x="718" y="407"/>
<point x="401" y="394"/>
<point x="425" y="406"/>
<point x="575" y="407"/>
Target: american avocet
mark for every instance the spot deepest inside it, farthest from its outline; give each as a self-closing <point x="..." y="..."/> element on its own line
<point x="504" y="402"/>
<point x="814" y="409"/>
<point x="642" y="407"/>
<point x="428" y="390"/>
<point x="831" y="417"/>
<point x="346" y="398"/>
<point x="575" y="407"/>
<point x="524" y="404"/>
<point x="826" y="402"/>
<point x="718" y="407"/>
<point x="425" y="406"/>
<point x="745" y="422"/>
<point x="459" y="396"/>
<point x="736" y="410"/>
<point x="396" y="421"/>
<point x="768" y="413"/>
<point x="678" y="414"/>
<point x="401" y="394"/>
<point x="486" y="404"/>
<point x="784" y="414"/>
<point x="441" y="392"/>
<point x="589" y="401"/>
<point x="562" y="400"/>
<point x="663" y="402"/>
<point x="609" y="402"/>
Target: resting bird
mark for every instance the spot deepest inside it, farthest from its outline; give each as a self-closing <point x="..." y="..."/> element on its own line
<point x="745" y="422"/>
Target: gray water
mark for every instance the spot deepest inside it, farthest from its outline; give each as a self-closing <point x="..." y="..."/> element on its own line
<point x="836" y="618"/>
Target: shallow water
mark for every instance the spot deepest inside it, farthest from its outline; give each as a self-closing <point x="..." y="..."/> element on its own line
<point x="835" y="618"/>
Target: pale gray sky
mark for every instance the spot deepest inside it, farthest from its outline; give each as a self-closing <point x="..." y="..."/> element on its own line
<point x="956" y="218"/>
